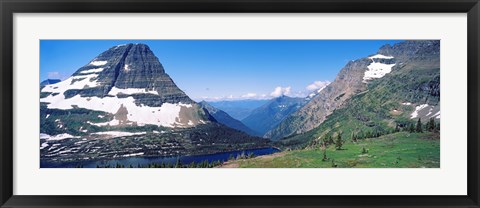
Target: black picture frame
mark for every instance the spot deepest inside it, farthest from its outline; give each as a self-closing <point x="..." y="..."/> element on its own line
<point x="9" y="7"/>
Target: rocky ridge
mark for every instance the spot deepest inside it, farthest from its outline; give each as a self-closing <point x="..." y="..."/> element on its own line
<point x="357" y="76"/>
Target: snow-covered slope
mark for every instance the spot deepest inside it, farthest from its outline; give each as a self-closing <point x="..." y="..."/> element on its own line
<point x="377" y="69"/>
<point x="425" y="111"/>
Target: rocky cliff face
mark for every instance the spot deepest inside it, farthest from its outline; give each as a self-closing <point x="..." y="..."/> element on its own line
<point x="357" y="76"/>
<point x="348" y="82"/>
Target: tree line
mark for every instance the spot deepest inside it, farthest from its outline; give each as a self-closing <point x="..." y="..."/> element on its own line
<point x="338" y="141"/>
<point x="177" y="164"/>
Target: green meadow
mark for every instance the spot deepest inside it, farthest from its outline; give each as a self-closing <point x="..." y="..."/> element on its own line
<point x="397" y="150"/>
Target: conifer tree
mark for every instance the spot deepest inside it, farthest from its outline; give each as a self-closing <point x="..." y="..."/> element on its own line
<point x="411" y="129"/>
<point x="339" y="142"/>
<point x="419" y="126"/>
<point x="431" y="125"/>
<point x="329" y="139"/>
<point x="364" y="151"/>
<point x="324" y="154"/>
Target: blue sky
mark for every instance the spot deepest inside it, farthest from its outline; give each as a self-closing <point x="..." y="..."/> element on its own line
<point x="224" y="69"/>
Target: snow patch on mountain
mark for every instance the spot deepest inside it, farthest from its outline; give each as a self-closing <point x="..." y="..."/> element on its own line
<point x="417" y="109"/>
<point x="129" y="91"/>
<point x="73" y="82"/>
<point x="380" y="56"/>
<point x="113" y="122"/>
<point x="114" y="134"/>
<point x="322" y="88"/>
<point x="44" y="136"/>
<point x="376" y="69"/>
<point x="98" y="63"/>
<point x="43" y="145"/>
<point x="56" y="137"/>
<point x="92" y="71"/>
<point x="133" y="154"/>
<point x="436" y="115"/>
<point x="165" y="115"/>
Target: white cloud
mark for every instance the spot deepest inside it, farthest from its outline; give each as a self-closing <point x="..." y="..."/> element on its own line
<point x="279" y="91"/>
<point x="317" y="85"/>
<point x="249" y="95"/>
<point x="301" y="93"/>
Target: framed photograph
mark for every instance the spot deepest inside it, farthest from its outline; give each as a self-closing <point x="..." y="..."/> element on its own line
<point x="239" y="104"/>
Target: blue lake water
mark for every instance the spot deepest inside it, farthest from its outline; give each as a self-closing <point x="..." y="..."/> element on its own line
<point x="143" y="161"/>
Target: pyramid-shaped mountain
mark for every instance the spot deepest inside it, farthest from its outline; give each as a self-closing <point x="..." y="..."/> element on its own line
<point x="129" y="82"/>
<point x="123" y="104"/>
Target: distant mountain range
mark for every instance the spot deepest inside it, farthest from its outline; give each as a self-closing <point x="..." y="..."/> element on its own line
<point x="223" y="118"/>
<point x="238" y="109"/>
<point x="270" y="114"/>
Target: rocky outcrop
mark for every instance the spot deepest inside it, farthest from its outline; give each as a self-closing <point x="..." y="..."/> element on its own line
<point x="348" y="82"/>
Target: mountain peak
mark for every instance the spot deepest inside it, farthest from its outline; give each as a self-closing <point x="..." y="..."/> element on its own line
<point x="285" y="99"/>
<point x="281" y="97"/>
<point x="128" y="76"/>
<point x="353" y="79"/>
<point x="130" y="45"/>
<point x="127" y="69"/>
<point x="410" y="49"/>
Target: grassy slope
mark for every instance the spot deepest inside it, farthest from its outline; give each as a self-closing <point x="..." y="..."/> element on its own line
<point x="399" y="150"/>
<point x="371" y="111"/>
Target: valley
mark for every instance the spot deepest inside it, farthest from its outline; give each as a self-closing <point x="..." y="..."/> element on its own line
<point x="123" y="110"/>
